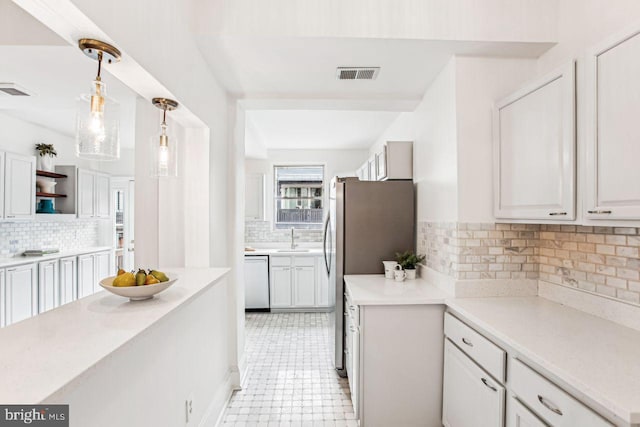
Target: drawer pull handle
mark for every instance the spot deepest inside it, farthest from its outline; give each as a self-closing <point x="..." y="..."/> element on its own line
<point x="550" y="406"/>
<point x="486" y="383"/>
<point x="353" y="329"/>
<point x="599" y="212"/>
<point x="557" y="213"/>
<point x="467" y="342"/>
<point x="352" y="307"/>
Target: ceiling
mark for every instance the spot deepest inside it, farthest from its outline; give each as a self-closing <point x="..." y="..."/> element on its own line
<point x="313" y="129"/>
<point x="55" y="72"/>
<point x="306" y="67"/>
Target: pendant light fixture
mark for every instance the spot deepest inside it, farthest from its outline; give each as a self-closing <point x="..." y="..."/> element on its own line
<point x="97" y="118"/>
<point x="164" y="151"/>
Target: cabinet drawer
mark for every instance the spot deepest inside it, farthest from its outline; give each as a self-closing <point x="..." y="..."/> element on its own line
<point x="550" y="402"/>
<point x="280" y="261"/>
<point x="487" y="354"/>
<point x="304" y="261"/>
<point x="352" y="311"/>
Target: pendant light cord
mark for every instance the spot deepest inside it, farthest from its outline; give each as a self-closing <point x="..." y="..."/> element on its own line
<point x="98" y="78"/>
<point x="164" y="115"/>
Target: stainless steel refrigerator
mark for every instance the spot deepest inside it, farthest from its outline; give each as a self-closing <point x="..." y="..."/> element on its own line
<point x="368" y="222"/>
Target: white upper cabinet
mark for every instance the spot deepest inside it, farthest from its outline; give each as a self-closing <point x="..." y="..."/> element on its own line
<point x="613" y="130"/>
<point x="19" y="186"/>
<point x="93" y="194"/>
<point x="102" y="195"/>
<point x="535" y="150"/>
<point x="254" y="197"/>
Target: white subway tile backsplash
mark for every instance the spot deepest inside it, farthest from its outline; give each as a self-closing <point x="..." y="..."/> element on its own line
<point x="16" y="237"/>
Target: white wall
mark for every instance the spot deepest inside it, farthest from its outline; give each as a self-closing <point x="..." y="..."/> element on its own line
<point x="479" y="83"/>
<point x="20" y="136"/>
<point x="335" y="162"/>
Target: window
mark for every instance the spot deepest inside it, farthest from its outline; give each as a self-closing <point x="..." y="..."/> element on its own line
<point x="298" y="196"/>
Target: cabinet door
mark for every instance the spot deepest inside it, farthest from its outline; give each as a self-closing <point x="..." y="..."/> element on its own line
<point x="68" y="280"/>
<point x="304" y="287"/>
<point x="86" y="275"/>
<point x="102" y="268"/>
<point x="2" y="300"/>
<point x="20" y="187"/>
<point x="613" y="130"/>
<point x="21" y="293"/>
<point x="535" y="150"/>
<point x="381" y="164"/>
<point x="372" y="168"/>
<point x="2" y="181"/>
<point x="102" y="196"/>
<point x="254" y="197"/>
<point x="471" y="398"/>
<point x="520" y="416"/>
<point x="280" y="287"/>
<point x="48" y="285"/>
<point x="86" y="190"/>
<point x="322" y="284"/>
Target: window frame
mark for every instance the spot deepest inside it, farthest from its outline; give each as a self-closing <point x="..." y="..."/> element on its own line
<point x="310" y="226"/>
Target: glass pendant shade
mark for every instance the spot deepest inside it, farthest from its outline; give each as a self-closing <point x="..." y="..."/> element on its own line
<point x="164" y="154"/>
<point x="97" y="125"/>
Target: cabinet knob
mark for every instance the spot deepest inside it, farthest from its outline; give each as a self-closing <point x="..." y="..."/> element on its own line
<point x="599" y="212"/>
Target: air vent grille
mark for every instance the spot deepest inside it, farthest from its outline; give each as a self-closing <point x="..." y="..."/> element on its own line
<point x="357" y="73"/>
<point x="13" y="89"/>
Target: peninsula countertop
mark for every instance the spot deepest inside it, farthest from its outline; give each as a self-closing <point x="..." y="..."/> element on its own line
<point x="20" y="260"/>
<point x="41" y="355"/>
<point x="374" y="289"/>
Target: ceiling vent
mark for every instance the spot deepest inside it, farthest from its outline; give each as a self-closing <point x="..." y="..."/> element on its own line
<point x="357" y="73"/>
<point x="13" y="89"/>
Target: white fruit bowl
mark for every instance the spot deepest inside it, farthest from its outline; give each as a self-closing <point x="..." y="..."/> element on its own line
<point x="138" y="293"/>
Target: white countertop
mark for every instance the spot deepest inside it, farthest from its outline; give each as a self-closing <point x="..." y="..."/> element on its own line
<point x="374" y="289"/>
<point x="597" y="357"/>
<point x="62" y="344"/>
<point x="285" y="252"/>
<point x="19" y="260"/>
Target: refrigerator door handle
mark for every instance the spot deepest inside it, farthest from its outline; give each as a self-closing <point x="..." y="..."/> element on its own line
<point x="324" y="244"/>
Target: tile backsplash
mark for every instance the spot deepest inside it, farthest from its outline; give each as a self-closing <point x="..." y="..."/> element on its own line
<point x="262" y="232"/>
<point x="16" y="237"/>
<point x="603" y="260"/>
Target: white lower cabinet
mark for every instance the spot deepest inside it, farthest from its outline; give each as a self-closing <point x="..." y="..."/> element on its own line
<point x="48" y="285"/>
<point x="86" y="274"/>
<point x="296" y="282"/>
<point x="393" y="355"/>
<point x="21" y="293"/>
<point x="103" y="264"/>
<point x="68" y="280"/>
<point x="471" y="398"/>
<point x="280" y="284"/>
<point x="474" y="398"/>
<point x="2" y="299"/>
<point x="520" y="416"/>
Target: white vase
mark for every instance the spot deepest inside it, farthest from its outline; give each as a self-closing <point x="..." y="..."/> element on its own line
<point x="46" y="163"/>
<point x="411" y="274"/>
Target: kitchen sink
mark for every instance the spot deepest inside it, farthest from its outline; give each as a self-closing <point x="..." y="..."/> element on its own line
<point x="293" y="250"/>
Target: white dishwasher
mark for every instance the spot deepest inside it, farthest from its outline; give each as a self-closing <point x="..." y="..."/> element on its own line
<point x="256" y="282"/>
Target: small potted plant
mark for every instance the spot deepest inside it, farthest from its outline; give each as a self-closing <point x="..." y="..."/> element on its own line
<point x="408" y="261"/>
<point x="46" y="153"/>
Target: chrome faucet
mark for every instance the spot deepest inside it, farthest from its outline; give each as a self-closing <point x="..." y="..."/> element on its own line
<point x="293" y="239"/>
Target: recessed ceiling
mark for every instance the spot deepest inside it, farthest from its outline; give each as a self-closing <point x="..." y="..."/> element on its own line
<point x="57" y="75"/>
<point x="314" y="129"/>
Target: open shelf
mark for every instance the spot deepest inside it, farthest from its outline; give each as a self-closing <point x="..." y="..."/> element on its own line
<point x="50" y="174"/>
<point x="40" y="194"/>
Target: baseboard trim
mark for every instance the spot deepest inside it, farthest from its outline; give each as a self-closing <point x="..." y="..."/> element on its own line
<point x="214" y="415"/>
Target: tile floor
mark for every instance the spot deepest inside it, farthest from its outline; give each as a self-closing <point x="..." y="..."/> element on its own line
<point x="291" y="380"/>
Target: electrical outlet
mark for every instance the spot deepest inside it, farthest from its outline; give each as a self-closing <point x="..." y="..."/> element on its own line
<point x="188" y="406"/>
